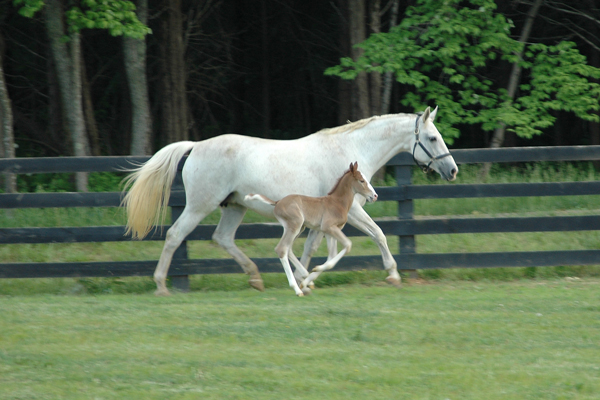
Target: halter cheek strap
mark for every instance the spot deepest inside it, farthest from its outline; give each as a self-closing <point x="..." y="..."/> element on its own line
<point x="424" y="168"/>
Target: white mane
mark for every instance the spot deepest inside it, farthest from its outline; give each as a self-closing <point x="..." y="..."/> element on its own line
<point x="352" y="126"/>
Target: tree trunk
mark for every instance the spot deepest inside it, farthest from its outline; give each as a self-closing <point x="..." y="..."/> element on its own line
<point x="375" y="77"/>
<point x="513" y="83"/>
<point x="174" y="124"/>
<point x="387" y="80"/>
<point x="135" y="67"/>
<point x="7" y="143"/>
<point x="88" y="114"/>
<point x="266" y="82"/>
<point x="344" y="86"/>
<point x="68" y="67"/>
<point x="360" y="92"/>
<point x="594" y="127"/>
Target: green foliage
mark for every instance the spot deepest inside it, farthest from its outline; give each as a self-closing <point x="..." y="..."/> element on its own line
<point x="443" y="49"/>
<point x="116" y="16"/>
<point x="64" y="182"/>
<point x="28" y="8"/>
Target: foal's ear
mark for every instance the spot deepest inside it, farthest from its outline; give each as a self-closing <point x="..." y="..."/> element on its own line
<point x="354" y="167"/>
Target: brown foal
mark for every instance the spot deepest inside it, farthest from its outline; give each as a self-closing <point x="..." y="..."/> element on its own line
<point x="328" y="214"/>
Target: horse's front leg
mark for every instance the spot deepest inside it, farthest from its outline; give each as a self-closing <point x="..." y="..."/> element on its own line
<point x="359" y="218"/>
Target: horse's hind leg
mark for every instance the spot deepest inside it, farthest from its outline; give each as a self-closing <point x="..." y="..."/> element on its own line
<point x="231" y="217"/>
<point x="186" y="223"/>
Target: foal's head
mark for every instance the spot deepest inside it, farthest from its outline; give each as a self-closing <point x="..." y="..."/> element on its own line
<point x="359" y="184"/>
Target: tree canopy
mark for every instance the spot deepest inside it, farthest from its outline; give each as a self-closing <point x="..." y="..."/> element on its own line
<point x="273" y="68"/>
<point x="445" y="52"/>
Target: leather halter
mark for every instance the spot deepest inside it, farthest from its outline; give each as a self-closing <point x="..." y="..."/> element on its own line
<point x="424" y="168"/>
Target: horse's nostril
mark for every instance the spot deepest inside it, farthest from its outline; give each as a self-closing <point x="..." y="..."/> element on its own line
<point x="454" y="171"/>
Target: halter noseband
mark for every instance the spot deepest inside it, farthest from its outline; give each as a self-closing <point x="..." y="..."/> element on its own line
<point x="424" y="168"/>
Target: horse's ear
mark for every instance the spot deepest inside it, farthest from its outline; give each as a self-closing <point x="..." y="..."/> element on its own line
<point x="426" y="114"/>
<point x="433" y="114"/>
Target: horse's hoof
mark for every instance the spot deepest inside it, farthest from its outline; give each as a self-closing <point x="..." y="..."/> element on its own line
<point x="393" y="281"/>
<point x="300" y="294"/>
<point x="306" y="291"/>
<point x="162" y="292"/>
<point x="257" y="283"/>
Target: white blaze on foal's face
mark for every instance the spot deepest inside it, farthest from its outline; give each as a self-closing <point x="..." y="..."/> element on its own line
<point x="365" y="189"/>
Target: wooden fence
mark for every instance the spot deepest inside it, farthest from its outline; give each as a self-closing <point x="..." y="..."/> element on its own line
<point x="405" y="226"/>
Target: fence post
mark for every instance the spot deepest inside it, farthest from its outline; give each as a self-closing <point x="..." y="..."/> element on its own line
<point x="180" y="282"/>
<point x="405" y="211"/>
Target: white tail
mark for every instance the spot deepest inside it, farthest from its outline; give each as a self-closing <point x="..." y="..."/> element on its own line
<point x="150" y="188"/>
<point x="261" y="198"/>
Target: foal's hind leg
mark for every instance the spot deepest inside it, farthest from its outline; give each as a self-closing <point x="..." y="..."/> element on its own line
<point x="231" y="218"/>
<point x="186" y="223"/>
<point x="283" y="248"/>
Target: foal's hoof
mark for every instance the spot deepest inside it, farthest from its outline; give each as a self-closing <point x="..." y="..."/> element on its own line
<point x="306" y="291"/>
<point x="393" y="281"/>
<point x="257" y="283"/>
<point x="162" y="292"/>
<point x="300" y="294"/>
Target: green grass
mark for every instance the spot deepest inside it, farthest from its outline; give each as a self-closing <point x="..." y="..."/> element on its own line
<point x="498" y="242"/>
<point x="533" y="339"/>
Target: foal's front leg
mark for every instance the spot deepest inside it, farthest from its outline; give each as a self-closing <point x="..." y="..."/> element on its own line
<point x="333" y="235"/>
<point x="310" y="247"/>
<point x="300" y="269"/>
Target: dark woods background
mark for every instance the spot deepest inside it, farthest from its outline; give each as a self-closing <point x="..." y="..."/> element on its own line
<point x="250" y="67"/>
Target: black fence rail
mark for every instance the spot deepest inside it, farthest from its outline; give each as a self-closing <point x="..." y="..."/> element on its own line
<point x="406" y="227"/>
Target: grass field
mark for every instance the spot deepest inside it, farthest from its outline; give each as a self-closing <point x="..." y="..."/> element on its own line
<point x="529" y="339"/>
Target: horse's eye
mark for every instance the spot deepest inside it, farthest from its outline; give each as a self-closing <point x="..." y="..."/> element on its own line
<point x="432" y="139"/>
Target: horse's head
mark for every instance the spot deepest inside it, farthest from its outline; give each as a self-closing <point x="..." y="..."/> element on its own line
<point x="360" y="185"/>
<point x="429" y="150"/>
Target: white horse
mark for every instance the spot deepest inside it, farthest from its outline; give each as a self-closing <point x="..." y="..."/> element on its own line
<point x="223" y="170"/>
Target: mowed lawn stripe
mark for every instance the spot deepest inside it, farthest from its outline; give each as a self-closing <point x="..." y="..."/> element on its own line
<point x="456" y="340"/>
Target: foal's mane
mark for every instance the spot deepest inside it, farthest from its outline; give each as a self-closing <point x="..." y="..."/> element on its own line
<point x="338" y="182"/>
<point x="352" y="126"/>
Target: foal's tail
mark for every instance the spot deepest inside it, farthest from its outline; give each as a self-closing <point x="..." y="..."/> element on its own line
<point x="260" y="197"/>
<point x="150" y="188"/>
